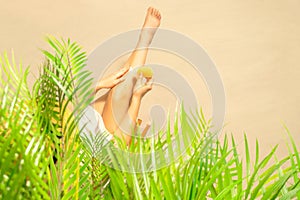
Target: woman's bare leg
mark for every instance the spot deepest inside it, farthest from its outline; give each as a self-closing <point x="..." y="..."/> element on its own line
<point x="118" y="99"/>
<point x="138" y="56"/>
<point x="151" y="23"/>
<point x="128" y="124"/>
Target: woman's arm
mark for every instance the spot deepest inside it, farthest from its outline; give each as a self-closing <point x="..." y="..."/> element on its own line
<point x="111" y="80"/>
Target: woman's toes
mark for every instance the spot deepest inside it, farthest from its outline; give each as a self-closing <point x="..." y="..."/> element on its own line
<point x="151" y="10"/>
<point x="157" y="13"/>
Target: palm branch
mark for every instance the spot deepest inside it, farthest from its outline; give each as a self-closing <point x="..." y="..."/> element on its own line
<point x="43" y="157"/>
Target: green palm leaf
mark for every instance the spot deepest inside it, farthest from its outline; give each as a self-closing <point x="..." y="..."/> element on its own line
<point x="43" y="157"/>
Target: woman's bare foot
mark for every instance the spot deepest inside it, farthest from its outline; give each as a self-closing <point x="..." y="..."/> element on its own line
<point x="151" y="23"/>
<point x="152" y="19"/>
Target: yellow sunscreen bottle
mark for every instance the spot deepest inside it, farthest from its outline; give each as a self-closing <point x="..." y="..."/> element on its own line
<point x="147" y="72"/>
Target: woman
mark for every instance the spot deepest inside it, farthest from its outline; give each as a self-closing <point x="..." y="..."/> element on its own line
<point x="119" y="112"/>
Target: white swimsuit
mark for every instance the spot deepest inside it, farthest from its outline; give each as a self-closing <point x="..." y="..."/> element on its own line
<point x="92" y="124"/>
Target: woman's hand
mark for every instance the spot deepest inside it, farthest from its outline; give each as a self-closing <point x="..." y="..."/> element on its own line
<point x="112" y="80"/>
<point x="142" y="87"/>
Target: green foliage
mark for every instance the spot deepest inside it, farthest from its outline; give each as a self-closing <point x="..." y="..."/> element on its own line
<point x="42" y="156"/>
<point x="40" y="147"/>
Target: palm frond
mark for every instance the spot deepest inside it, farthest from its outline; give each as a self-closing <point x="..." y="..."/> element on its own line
<point x="22" y="166"/>
<point x="44" y="157"/>
<point x="65" y="91"/>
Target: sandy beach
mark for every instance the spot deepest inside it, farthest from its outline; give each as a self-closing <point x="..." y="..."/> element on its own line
<point x="254" y="44"/>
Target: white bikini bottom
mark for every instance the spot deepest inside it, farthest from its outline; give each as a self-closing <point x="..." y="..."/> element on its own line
<point x="92" y="125"/>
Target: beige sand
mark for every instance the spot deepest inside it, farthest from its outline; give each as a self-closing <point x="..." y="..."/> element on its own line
<point x="255" y="45"/>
